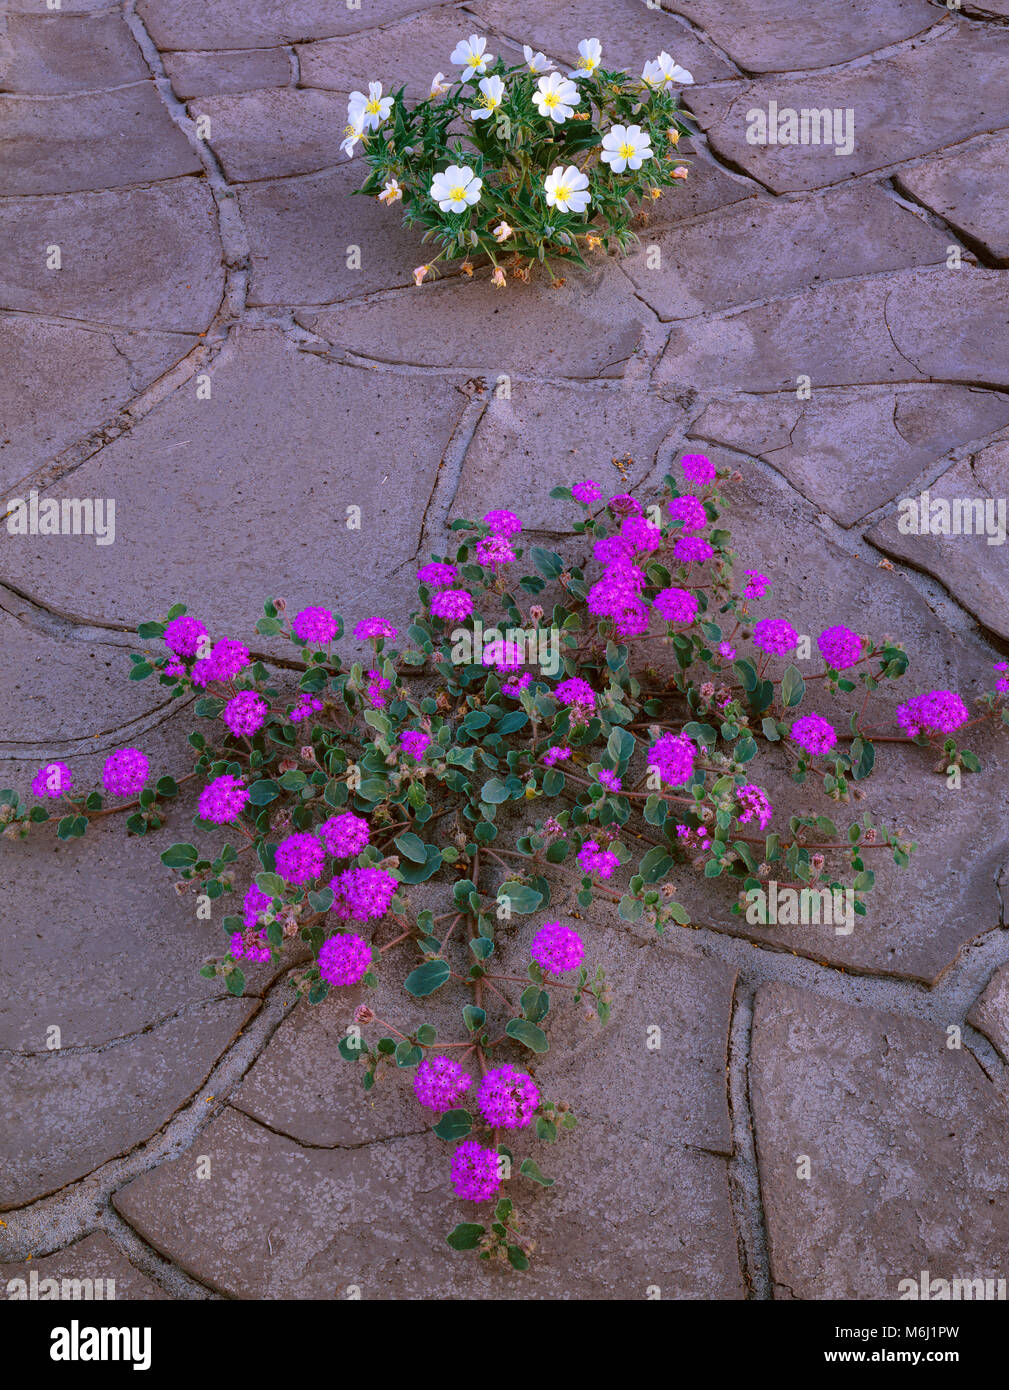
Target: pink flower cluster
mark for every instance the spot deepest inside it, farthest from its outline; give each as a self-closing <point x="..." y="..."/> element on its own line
<point x="476" y="1174"/>
<point x="936" y="712"/>
<point x="371" y="629"/>
<point x="254" y="904"/>
<point x="452" y="605"/>
<point x="437" y="575"/>
<point x="603" y="863"/>
<point x="362" y="894"/>
<point x="184" y="634"/>
<point x="698" y="469"/>
<point x="587" y="492"/>
<point x="675" y="605"/>
<point x="344" y="959"/>
<point x="507" y="1098"/>
<point x="774" y="636"/>
<point x="494" y="550"/>
<point x="577" y="694"/>
<point x="502" y="523"/>
<point x="439" y="1082"/>
<point x="344" y="835"/>
<point x="840" y="647"/>
<point x="754" y="805"/>
<point x="244" y="713"/>
<point x="125" y="772"/>
<point x="52" y="779"/>
<point x="674" y="756"/>
<point x="223" y="800"/>
<point x="226" y="660"/>
<point x="689" y="512"/>
<point x="813" y="733"/>
<point x="299" y="858"/>
<point x="414" y="743"/>
<point x="253" y="946"/>
<point x="557" y="948"/>
<point x="314" y="625"/>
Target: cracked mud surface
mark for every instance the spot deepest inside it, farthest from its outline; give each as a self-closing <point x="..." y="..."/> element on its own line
<point x="187" y="259"/>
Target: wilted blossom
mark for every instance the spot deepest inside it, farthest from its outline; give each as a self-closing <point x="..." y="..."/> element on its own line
<point x="840" y="647"/>
<point x="52" y="779"/>
<point x="344" y="835"/>
<point x="813" y="733"/>
<point x="315" y="625"/>
<point x="184" y="634"/>
<point x="775" y="636"/>
<point x="475" y="1171"/>
<point x="299" y="858"/>
<point x="362" y="894"/>
<point x="508" y="1098"/>
<point x="673" y="755"/>
<point x="675" y="605"/>
<point x="754" y="805"/>
<point x="623" y="504"/>
<point x="223" y="800"/>
<point x="344" y="959"/>
<point x="557" y="948"/>
<point x="453" y="605"/>
<point x="125" y="772"/>
<point x="937" y="712"/>
<point x="439" y="1082"/>
<point x="244" y="713"/>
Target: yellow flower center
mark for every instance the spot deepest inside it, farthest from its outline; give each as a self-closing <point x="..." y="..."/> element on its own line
<point x="562" y="192"/>
<point x="551" y="99"/>
<point x="627" y="151"/>
<point x="374" y="107"/>
<point x="489" y="101"/>
<point x="587" y="64"/>
<point x="457" y="194"/>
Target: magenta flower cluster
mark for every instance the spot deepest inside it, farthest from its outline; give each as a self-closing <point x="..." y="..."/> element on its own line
<point x="314" y="625"/>
<point x="814" y="733"/>
<point x="362" y="894"/>
<point x="673" y="755"/>
<point x="936" y="712"/>
<point x="223" y="800"/>
<point x="226" y="660"/>
<point x="344" y="835"/>
<point x="245" y="713"/>
<point x="52" y="779"/>
<point x="754" y="805"/>
<point x="603" y="863"/>
<point x="840" y="647"/>
<point x="452" y="605"/>
<point x="344" y="959"/>
<point x="557" y="948"/>
<point x="507" y="1098"/>
<point x="439" y="1082"/>
<point x="183" y="635"/>
<point x="299" y="858"/>
<point x="675" y="605"/>
<point x="125" y="772"/>
<point x="774" y="636"/>
<point x="476" y="1174"/>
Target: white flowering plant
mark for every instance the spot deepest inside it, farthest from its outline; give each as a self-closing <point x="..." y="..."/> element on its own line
<point x="523" y="161"/>
<point x="402" y="825"/>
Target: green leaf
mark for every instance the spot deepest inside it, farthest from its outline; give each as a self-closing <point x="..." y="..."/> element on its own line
<point x="528" y="1034"/>
<point x="176" y="856"/>
<point x="473" y="1017"/>
<point x="466" y="1236"/>
<point x="494" y="792"/>
<point x="264" y="791"/>
<point x="517" y="1258"/>
<point x="531" y="1169"/>
<point x="793" y="687"/>
<point x="427" y="978"/>
<point x="235" y="981"/>
<point x="454" y="1124"/>
<point x="548" y="562"/>
<point x="272" y="884"/>
<point x="412" y="846"/>
<point x="521" y="898"/>
<point x="656" y="864"/>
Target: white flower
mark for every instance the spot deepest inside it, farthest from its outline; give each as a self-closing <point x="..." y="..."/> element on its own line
<point x="591" y="53"/>
<point x="456" y="189"/>
<point x="493" y="90"/>
<point x="536" y="62"/>
<point x="391" y="192"/>
<point x="498" y="279"/>
<point x="439" y="86"/>
<point x="354" y="132"/>
<point x="371" y="110"/>
<point x="626" y="147"/>
<point x="502" y="232"/>
<point x="664" y="73"/>
<point x="470" y="54"/>
<point x="556" y="97"/>
<point x="565" y="189"/>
